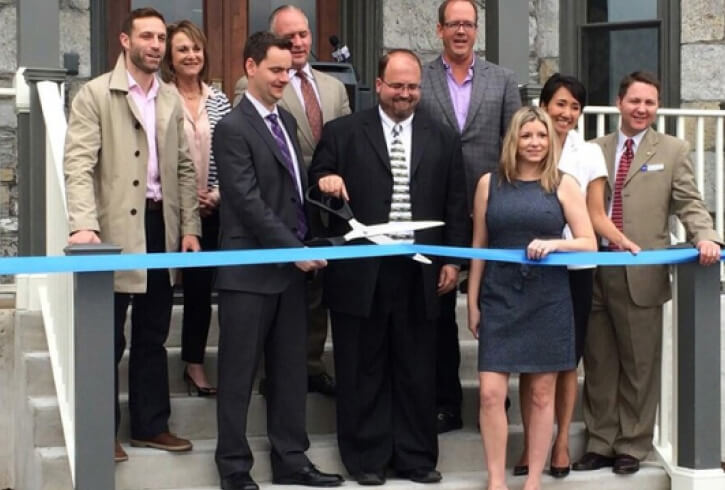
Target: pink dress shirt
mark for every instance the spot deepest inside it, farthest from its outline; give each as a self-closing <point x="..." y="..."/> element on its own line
<point x="146" y="105"/>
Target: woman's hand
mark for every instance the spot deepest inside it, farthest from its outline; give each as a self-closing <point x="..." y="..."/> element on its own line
<point x="538" y="249"/>
<point x="627" y="244"/>
<point x="474" y="319"/>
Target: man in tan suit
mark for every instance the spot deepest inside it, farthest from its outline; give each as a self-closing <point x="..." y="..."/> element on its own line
<point x="313" y="98"/>
<point x="130" y="182"/>
<point x="650" y="178"/>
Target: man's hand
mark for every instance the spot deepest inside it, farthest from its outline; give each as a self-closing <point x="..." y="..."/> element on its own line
<point x="190" y="243"/>
<point x="310" y="265"/>
<point x="709" y="252"/>
<point x="83" y="236"/>
<point x="333" y="185"/>
<point x="447" y="279"/>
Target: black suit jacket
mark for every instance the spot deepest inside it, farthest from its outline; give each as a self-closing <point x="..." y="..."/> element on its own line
<point x="354" y="147"/>
<point x="258" y="197"/>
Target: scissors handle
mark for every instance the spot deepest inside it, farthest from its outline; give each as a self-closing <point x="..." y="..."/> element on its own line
<point x="335" y="205"/>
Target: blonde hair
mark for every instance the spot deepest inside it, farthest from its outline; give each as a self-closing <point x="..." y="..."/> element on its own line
<point x="508" y="169"/>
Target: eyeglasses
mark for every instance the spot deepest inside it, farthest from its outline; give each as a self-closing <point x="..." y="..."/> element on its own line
<point x="399" y="87"/>
<point x="454" y="26"/>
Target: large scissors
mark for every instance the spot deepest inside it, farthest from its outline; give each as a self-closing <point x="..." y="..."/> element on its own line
<point x="379" y="233"/>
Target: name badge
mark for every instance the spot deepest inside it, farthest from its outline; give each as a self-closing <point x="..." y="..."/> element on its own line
<point x="653" y="167"/>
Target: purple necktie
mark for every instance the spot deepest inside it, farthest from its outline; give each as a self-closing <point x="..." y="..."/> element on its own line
<point x="287" y="157"/>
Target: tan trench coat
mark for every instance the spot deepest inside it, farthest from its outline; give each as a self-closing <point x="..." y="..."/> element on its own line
<point x="105" y="162"/>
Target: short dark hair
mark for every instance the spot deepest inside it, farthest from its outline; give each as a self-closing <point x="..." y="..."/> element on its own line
<point x="140" y="13"/>
<point x="557" y="81"/>
<point x="638" y="76"/>
<point x="259" y="43"/>
<point x="444" y="4"/>
<point x="384" y="59"/>
<point x="197" y="36"/>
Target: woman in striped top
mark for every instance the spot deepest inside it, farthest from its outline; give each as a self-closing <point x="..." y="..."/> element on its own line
<point x="185" y="66"/>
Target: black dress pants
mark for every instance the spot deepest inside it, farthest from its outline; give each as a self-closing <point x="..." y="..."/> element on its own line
<point x="197" y="286"/>
<point x="384" y="366"/>
<point x="250" y="325"/>
<point x="449" y="394"/>
<point x="148" y="377"/>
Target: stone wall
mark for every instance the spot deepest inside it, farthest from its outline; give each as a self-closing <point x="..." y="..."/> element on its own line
<point x="74" y="37"/>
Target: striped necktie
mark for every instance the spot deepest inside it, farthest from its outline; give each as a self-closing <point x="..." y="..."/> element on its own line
<point x="624" y="163"/>
<point x="312" y="106"/>
<point x="400" y="209"/>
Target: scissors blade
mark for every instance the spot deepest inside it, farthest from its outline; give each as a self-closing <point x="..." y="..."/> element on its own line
<point x="386" y="240"/>
<point x="391" y="228"/>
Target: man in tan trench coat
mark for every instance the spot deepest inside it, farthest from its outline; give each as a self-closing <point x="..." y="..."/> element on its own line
<point x="130" y="182"/>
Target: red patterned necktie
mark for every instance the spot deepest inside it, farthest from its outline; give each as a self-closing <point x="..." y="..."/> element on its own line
<point x="624" y="163"/>
<point x="312" y="106"/>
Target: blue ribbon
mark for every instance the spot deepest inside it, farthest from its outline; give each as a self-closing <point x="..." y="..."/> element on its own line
<point x="108" y="262"/>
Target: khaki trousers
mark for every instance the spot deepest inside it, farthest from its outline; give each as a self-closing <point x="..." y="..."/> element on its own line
<point x="622" y="364"/>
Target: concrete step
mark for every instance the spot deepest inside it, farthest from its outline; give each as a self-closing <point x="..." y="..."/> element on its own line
<point x="460" y="451"/>
<point x="195" y="418"/>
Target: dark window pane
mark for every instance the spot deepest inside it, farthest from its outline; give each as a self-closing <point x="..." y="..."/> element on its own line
<point x="621" y="10"/>
<point x="175" y="10"/>
<point x="609" y="54"/>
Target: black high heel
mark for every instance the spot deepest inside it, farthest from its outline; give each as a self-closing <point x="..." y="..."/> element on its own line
<point x="200" y="390"/>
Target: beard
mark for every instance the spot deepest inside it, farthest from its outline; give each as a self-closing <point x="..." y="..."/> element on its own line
<point x="137" y="59"/>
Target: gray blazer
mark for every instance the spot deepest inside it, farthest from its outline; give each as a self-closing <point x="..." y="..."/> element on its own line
<point x="494" y="99"/>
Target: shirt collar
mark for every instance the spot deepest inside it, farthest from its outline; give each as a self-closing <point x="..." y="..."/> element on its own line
<point x="307" y="70"/>
<point x="447" y="65"/>
<point x="637" y="138"/>
<point x="263" y="111"/>
<point x="388" y="123"/>
<point x="133" y="85"/>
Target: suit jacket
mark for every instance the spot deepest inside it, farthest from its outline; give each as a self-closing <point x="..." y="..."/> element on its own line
<point x="259" y="197"/>
<point x="105" y="163"/>
<point x="333" y="103"/>
<point x="649" y="198"/>
<point x="354" y="147"/>
<point x="494" y="99"/>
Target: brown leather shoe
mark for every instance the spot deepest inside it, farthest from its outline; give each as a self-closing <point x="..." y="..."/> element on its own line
<point x="624" y="464"/>
<point x="119" y="455"/>
<point x="166" y="441"/>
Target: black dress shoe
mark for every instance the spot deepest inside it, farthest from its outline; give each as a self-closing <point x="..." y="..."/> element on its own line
<point x="520" y="470"/>
<point x="624" y="464"/>
<point x="592" y="461"/>
<point x="421" y="475"/>
<point x="373" y="478"/>
<point x="448" y="421"/>
<point x="559" y="471"/>
<point x="239" y="481"/>
<point x="311" y="477"/>
<point x="321" y="383"/>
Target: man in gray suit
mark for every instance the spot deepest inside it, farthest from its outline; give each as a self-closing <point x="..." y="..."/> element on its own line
<point x="313" y="98"/>
<point x="477" y="99"/>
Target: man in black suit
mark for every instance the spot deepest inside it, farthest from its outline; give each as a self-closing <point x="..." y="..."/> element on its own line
<point x="262" y="307"/>
<point x="392" y="163"/>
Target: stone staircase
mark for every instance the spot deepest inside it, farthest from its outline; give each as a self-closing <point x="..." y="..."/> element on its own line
<point x="42" y="464"/>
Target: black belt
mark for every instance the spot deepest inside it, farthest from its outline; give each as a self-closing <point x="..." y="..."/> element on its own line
<point x="152" y="205"/>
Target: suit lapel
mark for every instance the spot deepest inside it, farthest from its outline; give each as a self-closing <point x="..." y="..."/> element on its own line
<point x="421" y="132"/>
<point x="291" y="102"/>
<point x="373" y="129"/>
<point x="609" y="148"/>
<point x="165" y="101"/>
<point x="256" y="121"/>
<point x="289" y="124"/>
<point x="327" y="102"/>
<point x="440" y="89"/>
<point x="645" y="151"/>
<point x="480" y="81"/>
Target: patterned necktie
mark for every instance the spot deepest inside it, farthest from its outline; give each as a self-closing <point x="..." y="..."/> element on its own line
<point x="312" y="106"/>
<point x="400" y="206"/>
<point x="289" y="163"/>
<point x="624" y="163"/>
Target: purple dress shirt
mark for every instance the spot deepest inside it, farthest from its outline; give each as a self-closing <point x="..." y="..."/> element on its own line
<point x="460" y="93"/>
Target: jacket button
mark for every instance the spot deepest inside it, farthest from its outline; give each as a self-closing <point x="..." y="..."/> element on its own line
<point x="387" y="201"/>
<point x="293" y="199"/>
<point x="136" y="153"/>
<point x="135" y="183"/>
<point x="137" y="125"/>
<point x="133" y="212"/>
<point x="294" y="228"/>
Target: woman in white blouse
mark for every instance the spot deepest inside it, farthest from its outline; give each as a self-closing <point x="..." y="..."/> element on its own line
<point x="185" y="66"/>
<point x="563" y="97"/>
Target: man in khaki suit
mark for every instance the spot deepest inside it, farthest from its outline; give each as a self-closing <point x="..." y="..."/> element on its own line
<point x="130" y="182"/>
<point x="324" y="96"/>
<point x="650" y="177"/>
